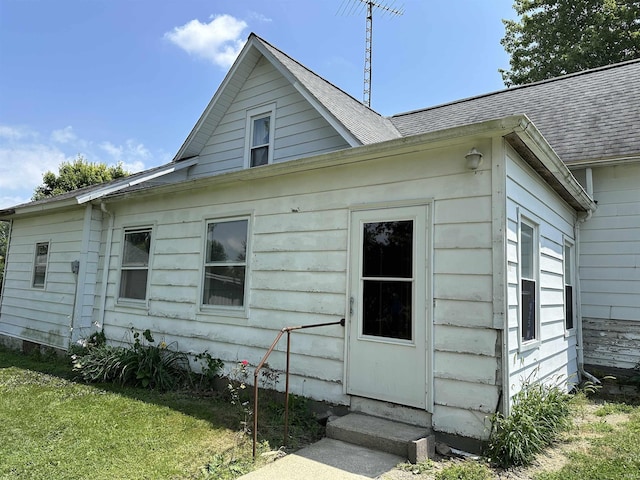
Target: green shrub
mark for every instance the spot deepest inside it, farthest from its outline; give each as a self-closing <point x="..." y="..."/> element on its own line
<point x="143" y="365"/>
<point x="465" y="471"/>
<point x="538" y="414"/>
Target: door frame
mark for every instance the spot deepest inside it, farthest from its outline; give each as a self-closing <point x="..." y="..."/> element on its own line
<point x="428" y="203"/>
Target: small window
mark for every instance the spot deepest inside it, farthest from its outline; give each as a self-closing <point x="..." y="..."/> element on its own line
<point x="260" y="141"/>
<point x="135" y="264"/>
<point x="260" y="136"/>
<point x="528" y="280"/>
<point x="40" y="264"/>
<point x="568" y="287"/>
<point x="225" y="263"/>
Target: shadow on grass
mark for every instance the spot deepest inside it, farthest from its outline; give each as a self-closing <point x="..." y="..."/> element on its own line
<point x="212" y="406"/>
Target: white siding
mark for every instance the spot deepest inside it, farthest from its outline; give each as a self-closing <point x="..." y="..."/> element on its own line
<point x="298" y="273"/>
<point x="610" y="269"/>
<point x="299" y="130"/>
<point x="42" y="315"/>
<point x="553" y="358"/>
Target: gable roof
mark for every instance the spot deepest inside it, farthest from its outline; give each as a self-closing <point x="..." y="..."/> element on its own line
<point x="589" y="116"/>
<point x="355" y="122"/>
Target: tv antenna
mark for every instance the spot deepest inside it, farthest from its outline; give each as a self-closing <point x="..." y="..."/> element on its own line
<point x="348" y="7"/>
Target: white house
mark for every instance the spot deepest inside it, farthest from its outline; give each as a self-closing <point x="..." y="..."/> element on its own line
<point x="292" y="203"/>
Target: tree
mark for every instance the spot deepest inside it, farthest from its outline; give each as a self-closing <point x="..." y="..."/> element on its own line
<point x="557" y="37"/>
<point x="77" y="174"/>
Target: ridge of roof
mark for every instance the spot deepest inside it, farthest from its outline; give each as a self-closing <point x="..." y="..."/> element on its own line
<point x="520" y="87"/>
<point x="367" y="125"/>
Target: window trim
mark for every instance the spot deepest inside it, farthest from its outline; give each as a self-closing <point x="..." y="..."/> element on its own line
<point x="569" y="244"/>
<point x="252" y="115"/>
<point x="240" y="311"/>
<point x="526" y="344"/>
<point x="137" y="302"/>
<point x="36" y="264"/>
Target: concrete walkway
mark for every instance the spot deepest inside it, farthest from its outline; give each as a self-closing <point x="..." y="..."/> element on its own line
<point x="328" y="459"/>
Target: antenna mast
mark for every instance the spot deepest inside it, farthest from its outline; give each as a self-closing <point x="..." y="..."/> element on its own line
<point x="370" y="5"/>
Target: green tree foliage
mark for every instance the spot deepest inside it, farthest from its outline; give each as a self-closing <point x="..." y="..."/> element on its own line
<point x="77" y="174"/>
<point x="558" y="37"/>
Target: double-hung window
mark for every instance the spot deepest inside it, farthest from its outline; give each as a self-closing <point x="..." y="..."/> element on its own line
<point x="134" y="272"/>
<point x="260" y="129"/>
<point x="40" y="264"/>
<point x="568" y="287"/>
<point x="528" y="281"/>
<point x="225" y="264"/>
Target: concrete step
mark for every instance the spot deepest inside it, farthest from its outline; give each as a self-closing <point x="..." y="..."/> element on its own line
<point x="407" y="441"/>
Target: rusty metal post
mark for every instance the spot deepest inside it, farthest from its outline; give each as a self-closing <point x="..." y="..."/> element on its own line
<point x="288" y="331"/>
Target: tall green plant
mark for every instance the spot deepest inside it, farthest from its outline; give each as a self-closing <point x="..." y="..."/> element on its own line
<point x="538" y="414"/>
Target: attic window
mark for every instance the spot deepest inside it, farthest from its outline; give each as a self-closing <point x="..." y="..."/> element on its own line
<point x="259" y="150"/>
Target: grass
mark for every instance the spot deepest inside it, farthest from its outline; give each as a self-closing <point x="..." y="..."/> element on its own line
<point x="55" y="428"/>
<point x="613" y="452"/>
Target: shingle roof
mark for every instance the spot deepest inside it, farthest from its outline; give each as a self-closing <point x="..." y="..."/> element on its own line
<point x="365" y="124"/>
<point x="590" y="115"/>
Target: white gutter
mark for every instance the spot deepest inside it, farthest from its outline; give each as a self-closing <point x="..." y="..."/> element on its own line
<point x="101" y="192"/>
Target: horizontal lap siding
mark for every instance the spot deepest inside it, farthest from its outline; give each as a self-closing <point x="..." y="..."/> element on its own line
<point x="299" y="129"/>
<point x="610" y="269"/>
<point x="554" y="357"/>
<point x="298" y="268"/>
<point x="42" y="315"/>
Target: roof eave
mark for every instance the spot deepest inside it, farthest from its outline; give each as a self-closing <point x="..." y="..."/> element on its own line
<point x="536" y="151"/>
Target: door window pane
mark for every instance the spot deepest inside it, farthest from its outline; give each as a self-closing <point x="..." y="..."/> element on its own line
<point x="386" y="309"/>
<point x="388" y="249"/>
<point x="387" y="279"/>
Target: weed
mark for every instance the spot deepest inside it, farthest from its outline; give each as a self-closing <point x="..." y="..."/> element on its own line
<point x="538" y="414"/>
<point x="419" y="468"/>
<point x="210" y="368"/>
<point x="469" y="470"/>
<point x="613" y="408"/>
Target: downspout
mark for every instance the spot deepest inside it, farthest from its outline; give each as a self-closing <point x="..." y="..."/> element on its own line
<point x="106" y="265"/>
<point x="580" y="347"/>
<point x="6" y="255"/>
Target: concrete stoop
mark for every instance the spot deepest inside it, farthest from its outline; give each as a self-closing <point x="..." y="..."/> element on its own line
<point x="407" y="441"/>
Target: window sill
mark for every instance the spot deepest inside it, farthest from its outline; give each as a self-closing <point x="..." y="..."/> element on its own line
<point x="130" y="303"/>
<point x="213" y="314"/>
<point x="529" y="345"/>
<point x="570" y="333"/>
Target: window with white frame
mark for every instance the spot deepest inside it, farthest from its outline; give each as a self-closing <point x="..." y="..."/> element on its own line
<point x="568" y="286"/>
<point x="259" y="141"/>
<point x="40" y="264"/>
<point x="528" y="281"/>
<point x="225" y="264"/>
<point x="134" y="271"/>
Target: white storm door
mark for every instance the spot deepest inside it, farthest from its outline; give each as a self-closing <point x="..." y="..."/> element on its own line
<point x="387" y="355"/>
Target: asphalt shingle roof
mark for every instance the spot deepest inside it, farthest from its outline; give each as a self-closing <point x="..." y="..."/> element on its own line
<point x="585" y="116"/>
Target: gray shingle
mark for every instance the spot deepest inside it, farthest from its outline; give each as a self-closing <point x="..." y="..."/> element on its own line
<point x="590" y="115"/>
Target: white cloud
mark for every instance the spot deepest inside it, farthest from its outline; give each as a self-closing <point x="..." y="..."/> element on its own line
<point x="218" y="41"/>
<point x="36" y="154"/>
<point x="64" y="135"/>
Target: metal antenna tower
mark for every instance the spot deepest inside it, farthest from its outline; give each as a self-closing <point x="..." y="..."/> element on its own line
<point x="348" y="7"/>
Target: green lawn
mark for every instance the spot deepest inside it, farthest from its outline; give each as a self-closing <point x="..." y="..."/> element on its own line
<point x="54" y="428"/>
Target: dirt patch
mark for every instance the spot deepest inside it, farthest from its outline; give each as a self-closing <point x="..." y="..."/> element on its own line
<point x="586" y="426"/>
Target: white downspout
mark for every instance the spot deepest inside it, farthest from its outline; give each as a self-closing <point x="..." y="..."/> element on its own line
<point x="585" y="218"/>
<point x="106" y="265"/>
<point x="6" y="256"/>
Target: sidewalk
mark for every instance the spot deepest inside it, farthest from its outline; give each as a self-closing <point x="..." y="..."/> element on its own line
<point x="328" y="459"/>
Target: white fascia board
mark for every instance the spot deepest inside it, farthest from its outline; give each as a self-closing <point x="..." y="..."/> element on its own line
<point x="101" y="192"/>
<point x="214" y="100"/>
<point x="315" y="103"/>
<point x="532" y="137"/>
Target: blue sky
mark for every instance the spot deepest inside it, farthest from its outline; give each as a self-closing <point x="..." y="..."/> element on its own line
<point x="126" y="80"/>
